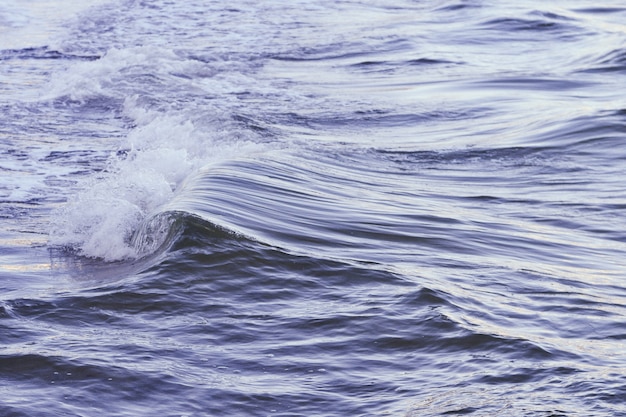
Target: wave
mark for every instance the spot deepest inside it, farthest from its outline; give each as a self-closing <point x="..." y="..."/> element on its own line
<point x="613" y="61"/>
<point x="534" y="22"/>
<point x="416" y="212"/>
<point x="354" y="203"/>
<point x="162" y="145"/>
<point x="192" y="115"/>
<point x="42" y="52"/>
<point x="120" y="213"/>
<point x="209" y="136"/>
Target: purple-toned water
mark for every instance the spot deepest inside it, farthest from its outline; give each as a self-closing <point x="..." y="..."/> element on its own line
<point x="312" y="208"/>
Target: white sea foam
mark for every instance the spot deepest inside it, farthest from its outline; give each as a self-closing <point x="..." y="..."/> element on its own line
<point x="168" y="141"/>
<point x="153" y="160"/>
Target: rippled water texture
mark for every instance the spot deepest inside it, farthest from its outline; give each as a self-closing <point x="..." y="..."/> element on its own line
<point x="312" y="208"/>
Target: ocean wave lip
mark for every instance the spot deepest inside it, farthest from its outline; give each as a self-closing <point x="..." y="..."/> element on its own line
<point x="312" y="208"/>
<point x="140" y="178"/>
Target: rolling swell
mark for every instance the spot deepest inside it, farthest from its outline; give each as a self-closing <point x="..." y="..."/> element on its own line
<point x="265" y="329"/>
<point x="314" y="208"/>
<point x="251" y="295"/>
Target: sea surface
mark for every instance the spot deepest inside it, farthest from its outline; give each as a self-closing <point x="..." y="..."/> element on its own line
<point x="312" y="208"/>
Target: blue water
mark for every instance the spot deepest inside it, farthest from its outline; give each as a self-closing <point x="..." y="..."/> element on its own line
<point x="312" y="208"/>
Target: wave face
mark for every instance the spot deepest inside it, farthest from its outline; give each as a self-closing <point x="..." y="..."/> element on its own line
<point x="312" y="208"/>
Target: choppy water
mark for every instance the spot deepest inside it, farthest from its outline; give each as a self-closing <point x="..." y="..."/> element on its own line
<point x="312" y="208"/>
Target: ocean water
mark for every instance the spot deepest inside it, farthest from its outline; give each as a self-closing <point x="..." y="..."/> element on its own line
<point x="312" y="208"/>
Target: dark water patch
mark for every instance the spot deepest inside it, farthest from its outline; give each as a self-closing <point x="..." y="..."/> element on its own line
<point x="42" y="52"/>
<point x="459" y="5"/>
<point x="271" y="307"/>
<point x="92" y="104"/>
<point x="350" y="52"/>
<point x="18" y="154"/>
<point x="73" y="384"/>
<point x="199" y="246"/>
<point x="528" y="375"/>
<point x="601" y="10"/>
<point x="613" y="61"/>
<point x="95" y="309"/>
<point x="85" y="157"/>
<point x="14" y="332"/>
<point x="546" y="23"/>
<point x="531" y="83"/>
<point x="48" y="368"/>
<point x="15" y="412"/>
<point x="551" y="16"/>
<point x="393" y="66"/>
<point x="602" y="396"/>
<point x="471" y="342"/>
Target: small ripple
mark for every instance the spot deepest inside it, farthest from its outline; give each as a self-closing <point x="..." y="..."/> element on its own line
<point x="613" y="61"/>
<point x="537" y="21"/>
<point x="42" y="52"/>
